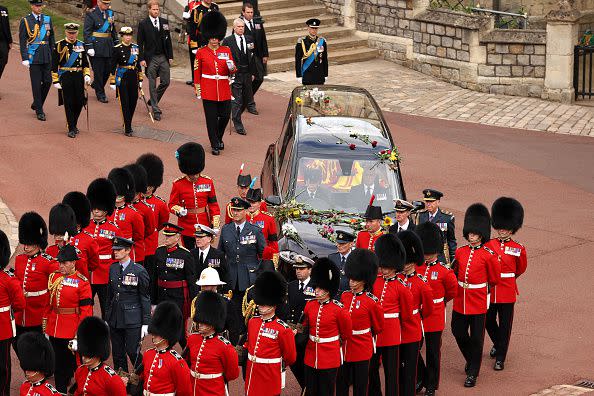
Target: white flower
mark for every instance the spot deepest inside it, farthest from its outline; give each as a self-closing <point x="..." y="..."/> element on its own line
<point x="289" y="228"/>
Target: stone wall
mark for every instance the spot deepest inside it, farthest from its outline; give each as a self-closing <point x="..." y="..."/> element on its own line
<point x="540" y="7"/>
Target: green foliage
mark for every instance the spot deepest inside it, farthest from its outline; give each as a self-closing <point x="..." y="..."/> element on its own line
<point x="17" y="9"/>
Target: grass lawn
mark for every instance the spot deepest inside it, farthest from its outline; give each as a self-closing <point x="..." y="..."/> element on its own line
<point x="19" y="8"/>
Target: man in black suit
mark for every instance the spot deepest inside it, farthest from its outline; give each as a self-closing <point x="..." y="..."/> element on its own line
<point x="5" y="38"/>
<point x="242" y="49"/>
<point x="344" y="245"/>
<point x="314" y="194"/>
<point x="370" y="185"/>
<point x="156" y="53"/>
<point x="403" y="222"/>
<point x="255" y="29"/>
<point x="206" y="255"/>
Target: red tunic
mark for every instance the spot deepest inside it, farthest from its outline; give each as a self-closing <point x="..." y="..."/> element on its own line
<point x="444" y="285"/>
<point x="422" y="305"/>
<point x="476" y="267"/>
<point x="166" y="372"/>
<point x="11" y="300"/>
<point x="200" y="200"/>
<point x="213" y="363"/>
<point x="131" y="226"/>
<point x="266" y="222"/>
<point x="70" y="302"/>
<point x="367" y="318"/>
<point x="86" y="249"/>
<point x="211" y="73"/>
<point x="33" y="273"/>
<point x="396" y="302"/>
<point x="100" y="381"/>
<point x="103" y="232"/>
<point x="269" y="343"/>
<point x="148" y="218"/>
<point x="366" y="240"/>
<point x="41" y="388"/>
<point x="328" y="324"/>
<point x="513" y="264"/>
<point x="161" y="216"/>
<point x="228" y="219"/>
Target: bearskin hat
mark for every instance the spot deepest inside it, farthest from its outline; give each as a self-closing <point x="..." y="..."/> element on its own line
<point x="361" y="265"/>
<point x="270" y="288"/>
<point x="123" y="182"/>
<point x="4" y="250"/>
<point x="36" y="353"/>
<point x="190" y="156"/>
<point x="211" y="309"/>
<point x="214" y="25"/>
<point x="62" y="220"/>
<point x="93" y="338"/>
<point x="430" y="235"/>
<point x="477" y="221"/>
<point x="102" y="195"/>
<point x="325" y="275"/>
<point x="413" y="247"/>
<point x="508" y="214"/>
<point x="81" y="206"/>
<point x="140" y="177"/>
<point x="390" y="252"/>
<point x="153" y="165"/>
<point x="167" y="322"/>
<point x="33" y="230"/>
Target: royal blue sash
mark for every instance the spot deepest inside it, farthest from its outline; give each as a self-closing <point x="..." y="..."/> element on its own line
<point x="33" y="46"/>
<point x="121" y="70"/>
<point x="71" y="59"/>
<point x="312" y="56"/>
<point x="107" y="23"/>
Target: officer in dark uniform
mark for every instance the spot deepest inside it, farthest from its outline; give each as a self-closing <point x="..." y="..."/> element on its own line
<point x="173" y="277"/>
<point x="403" y="222"/>
<point x="36" y="36"/>
<point x="70" y="73"/>
<point x="126" y="76"/>
<point x="5" y="38"/>
<point x="311" y="56"/>
<point x="344" y="245"/>
<point x="128" y="311"/>
<point x="206" y="255"/>
<point x="100" y="37"/>
<point x="445" y="222"/>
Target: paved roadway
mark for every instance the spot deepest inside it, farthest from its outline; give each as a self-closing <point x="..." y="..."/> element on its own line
<point x="551" y="174"/>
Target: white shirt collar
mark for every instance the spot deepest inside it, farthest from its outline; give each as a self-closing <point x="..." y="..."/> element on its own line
<point x="305" y="282"/>
<point x="346" y="256"/>
<point x="153" y="20"/>
<point x="405" y="225"/>
<point x="205" y="251"/>
<point x="240" y="226"/>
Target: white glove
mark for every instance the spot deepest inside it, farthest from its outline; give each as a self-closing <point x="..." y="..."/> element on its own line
<point x="183" y="212"/>
<point x="88" y="80"/>
<point x="91" y="52"/>
<point x="186" y="15"/>
<point x="143" y="331"/>
<point x="46" y="336"/>
<point x="25" y="63"/>
<point x="73" y="345"/>
<point x="58" y="86"/>
<point x="140" y="84"/>
<point x="299" y="79"/>
<point x="112" y="86"/>
<point x="194" y="51"/>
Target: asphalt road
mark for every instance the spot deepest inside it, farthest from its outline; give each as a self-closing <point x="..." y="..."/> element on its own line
<point x="550" y="174"/>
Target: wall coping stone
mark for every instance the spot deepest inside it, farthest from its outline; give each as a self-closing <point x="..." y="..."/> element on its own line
<point x="454" y="18"/>
<point x="515" y="36"/>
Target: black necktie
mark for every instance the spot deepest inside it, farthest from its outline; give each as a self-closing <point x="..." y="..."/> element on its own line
<point x="300" y="286"/>
<point x="242" y="45"/>
<point x="238" y="231"/>
<point x="201" y="258"/>
<point x="156" y="24"/>
<point x="343" y="261"/>
<point x="252" y="25"/>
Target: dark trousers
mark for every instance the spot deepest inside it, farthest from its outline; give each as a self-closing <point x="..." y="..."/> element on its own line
<point x="192" y="60"/>
<point x="298" y="368"/>
<point x="128" y="96"/>
<point x="217" y="117"/>
<point x="101" y="69"/>
<point x="5" y="367"/>
<point x="409" y="353"/>
<point x="20" y="330"/>
<point x="256" y="82"/>
<point x="101" y="292"/>
<point x="500" y="333"/>
<point x="390" y="357"/>
<point x="65" y="363"/>
<point x="237" y="300"/>
<point x="158" y="67"/>
<point x="242" y="94"/>
<point x="189" y="243"/>
<point x="355" y="373"/>
<point x="320" y="382"/>
<point x="4" y="51"/>
<point x="428" y="373"/>
<point x="469" y="331"/>
<point x="73" y="96"/>
<point x="41" y="81"/>
<point x="125" y="342"/>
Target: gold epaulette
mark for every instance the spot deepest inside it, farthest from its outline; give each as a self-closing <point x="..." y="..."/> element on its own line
<point x="267" y="213"/>
<point x="117" y="45"/>
<point x="206" y="176"/>
<point x="82" y="277"/>
<point x="159" y="198"/>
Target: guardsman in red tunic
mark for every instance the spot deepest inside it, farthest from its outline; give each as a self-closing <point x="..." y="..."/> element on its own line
<point x="11" y="300"/>
<point x="93" y="377"/>
<point x="265" y="221"/>
<point x="193" y="198"/>
<point x="211" y="357"/>
<point x="373" y="227"/>
<point x="70" y="302"/>
<point x="422" y="298"/>
<point x="102" y="196"/>
<point x="329" y="326"/>
<point x="444" y="285"/>
<point x="125" y="217"/>
<point x="396" y="302"/>
<point x="165" y="371"/>
<point x="62" y="225"/>
<point x="32" y="269"/>
<point x="243" y="185"/>
<point x="508" y="216"/>
<point x="37" y="360"/>
<point x="367" y="318"/>
<point x="270" y="341"/>
<point x="477" y="268"/>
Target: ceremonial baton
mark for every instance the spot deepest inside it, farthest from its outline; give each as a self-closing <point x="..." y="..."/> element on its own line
<point x="146" y="104"/>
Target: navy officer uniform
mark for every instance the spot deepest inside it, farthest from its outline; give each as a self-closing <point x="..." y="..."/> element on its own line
<point x="403" y="207"/>
<point x="36" y="36"/>
<point x="445" y="222"/>
<point x="128" y="311"/>
<point x="311" y="56"/>
<point x="339" y="260"/>
<point x="210" y="256"/>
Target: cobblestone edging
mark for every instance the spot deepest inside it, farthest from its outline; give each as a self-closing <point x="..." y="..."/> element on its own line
<point x="565" y="390"/>
<point x="9" y="224"/>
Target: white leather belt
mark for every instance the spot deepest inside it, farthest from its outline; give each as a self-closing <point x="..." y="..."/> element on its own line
<point x="104" y="256"/>
<point x="205" y="376"/>
<point x="415" y="311"/>
<point x="472" y="285"/>
<point x="391" y="315"/>
<point x="319" y="340"/>
<point x="508" y="275"/>
<point x="5" y="309"/>
<point x="215" y="77"/>
<point x="437" y="300"/>
<point x="359" y="332"/>
<point x="35" y="294"/>
<point x="147" y="393"/>
<point x="255" y="359"/>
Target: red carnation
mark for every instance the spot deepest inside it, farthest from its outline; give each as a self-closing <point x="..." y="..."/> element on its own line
<point x="374" y="143"/>
<point x="352" y="146"/>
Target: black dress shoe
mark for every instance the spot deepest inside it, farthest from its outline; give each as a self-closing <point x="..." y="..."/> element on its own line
<point x="157" y="116"/>
<point x="221" y="146"/>
<point x="189" y="82"/>
<point x="241" y="131"/>
<point x="470" y="381"/>
<point x="129" y="133"/>
<point x="429" y="392"/>
<point x="33" y="106"/>
<point x="103" y="99"/>
<point x="41" y="116"/>
<point x="419" y="387"/>
<point x="466" y="367"/>
<point x="498" y="365"/>
<point x="76" y="131"/>
<point x="71" y="133"/>
<point x="215" y="151"/>
<point x="253" y="111"/>
<point x="492" y="353"/>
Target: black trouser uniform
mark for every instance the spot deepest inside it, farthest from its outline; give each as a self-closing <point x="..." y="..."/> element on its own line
<point x="469" y="331"/>
<point x="73" y="96"/>
<point x="500" y="333"/>
<point x="320" y="382"/>
<point x="125" y="342"/>
<point x="298" y="368"/>
<point x="65" y="363"/>
<point x="192" y="59"/>
<point x="409" y="353"/>
<point x="428" y="373"/>
<point x="101" y="292"/>
<point x="41" y="82"/>
<point x="390" y="358"/>
<point x="127" y="93"/>
<point x="5" y="366"/>
<point x="356" y="373"/>
<point x="101" y="68"/>
<point x="3" y="56"/>
<point x="243" y="96"/>
<point x="217" y="117"/>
